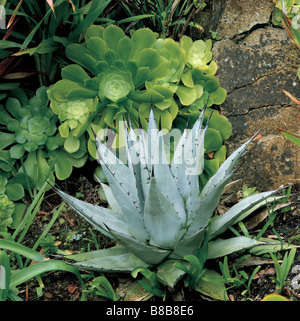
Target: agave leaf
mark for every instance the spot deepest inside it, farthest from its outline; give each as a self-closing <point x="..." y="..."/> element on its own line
<point x="188" y="245"/>
<point x="178" y="168"/>
<point x="190" y="147"/>
<point x="152" y="135"/>
<point x="269" y="200"/>
<point x="169" y="274"/>
<point x="145" y="167"/>
<point x="121" y="173"/>
<point x="209" y="285"/>
<point x="148" y="254"/>
<point x="206" y="207"/>
<point x="114" y="259"/>
<point x="221" y="223"/>
<point x="220" y="247"/>
<point x="99" y="217"/>
<point x="161" y="219"/>
<point x="131" y="212"/>
<point x="111" y="198"/>
<point x="192" y="203"/>
<point x="226" y="167"/>
<point x="131" y="144"/>
<point x="194" y="146"/>
<point x="165" y="180"/>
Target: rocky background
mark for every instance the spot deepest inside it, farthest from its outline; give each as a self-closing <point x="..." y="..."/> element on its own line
<point x="256" y="60"/>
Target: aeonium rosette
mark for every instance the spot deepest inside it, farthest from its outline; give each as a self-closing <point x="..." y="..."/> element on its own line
<point x="115" y="85"/>
<point x="6" y="210"/>
<point x="74" y="116"/>
<point x="30" y="137"/>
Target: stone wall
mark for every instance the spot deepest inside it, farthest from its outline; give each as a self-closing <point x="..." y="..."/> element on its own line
<point x="256" y="60"/>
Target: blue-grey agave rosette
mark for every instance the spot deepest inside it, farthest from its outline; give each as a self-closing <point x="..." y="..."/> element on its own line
<point x="158" y="214"/>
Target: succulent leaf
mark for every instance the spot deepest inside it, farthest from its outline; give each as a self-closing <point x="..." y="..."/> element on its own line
<point x="220" y="223"/>
<point x="6" y="210"/>
<point x="188" y="245"/>
<point x="149" y="254"/>
<point x="116" y="259"/>
<point x="168" y="273"/>
<point x="160" y="218"/>
<point x="226" y="167"/>
<point x="221" y="247"/>
<point x="98" y="216"/>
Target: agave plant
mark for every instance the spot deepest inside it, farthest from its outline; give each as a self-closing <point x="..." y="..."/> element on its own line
<point x="157" y="213"/>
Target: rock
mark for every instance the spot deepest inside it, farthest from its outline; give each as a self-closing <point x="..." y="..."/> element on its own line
<point x="254" y="65"/>
<point x="239" y="16"/>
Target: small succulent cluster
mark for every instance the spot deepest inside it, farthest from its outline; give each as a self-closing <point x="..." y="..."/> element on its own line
<point x="74" y="116"/>
<point x="116" y="77"/>
<point x="6" y="210"/>
<point x="30" y="123"/>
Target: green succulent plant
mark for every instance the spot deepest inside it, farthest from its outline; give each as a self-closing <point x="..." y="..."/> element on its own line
<point x="6" y="210"/>
<point x="74" y="116"/>
<point x="128" y="74"/>
<point x="157" y="213"/>
<point x="14" y="191"/>
<point x="30" y="145"/>
<point x="31" y="124"/>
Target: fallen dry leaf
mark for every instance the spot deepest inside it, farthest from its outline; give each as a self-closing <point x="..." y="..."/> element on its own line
<point x="274" y="237"/>
<point x="265" y="272"/>
<point x="258" y="137"/>
<point x="254" y="260"/>
<point x="70" y="220"/>
<point x="42" y="213"/>
<point x="261" y="215"/>
<point x="294" y="99"/>
<point x="72" y="288"/>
